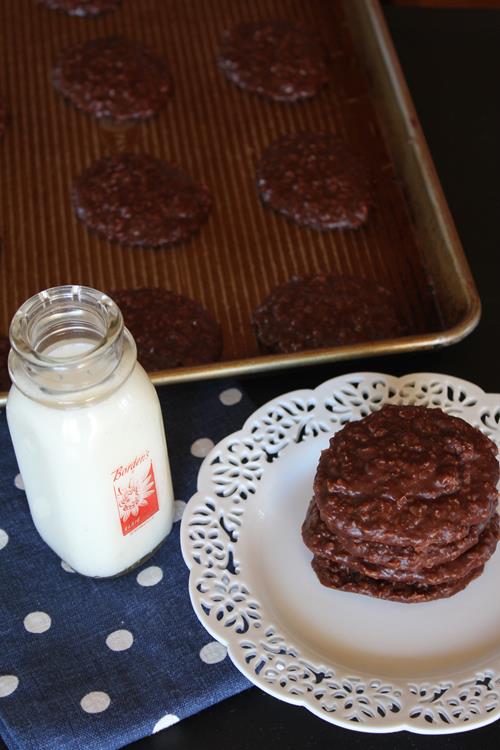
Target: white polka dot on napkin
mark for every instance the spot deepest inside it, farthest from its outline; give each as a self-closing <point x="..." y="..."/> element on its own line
<point x="164" y="722"/>
<point x="119" y="640"/>
<point x="8" y="683"/>
<point x="4" y="538"/>
<point x="213" y="652"/>
<point x="230" y="396"/>
<point x="37" y="622"/>
<point x="179" y="508"/>
<point x="18" y="482"/>
<point x="202" y="447"/>
<point x="150" y="576"/>
<point x="95" y="702"/>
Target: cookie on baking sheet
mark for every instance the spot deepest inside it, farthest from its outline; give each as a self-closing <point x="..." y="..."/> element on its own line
<point x="276" y="59"/>
<point x="138" y="200"/>
<point x="337" y="577"/>
<point x="113" y="77"/>
<point x="407" y="476"/>
<point x="315" y="181"/>
<point x="82" y="7"/>
<point x="318" y="311"/>
<point x="170" y="330"/>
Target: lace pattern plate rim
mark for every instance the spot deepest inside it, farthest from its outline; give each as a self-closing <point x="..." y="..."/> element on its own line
<point x="364" y="664"/>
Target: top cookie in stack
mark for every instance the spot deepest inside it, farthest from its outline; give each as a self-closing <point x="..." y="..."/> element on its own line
<point x="404" y="505"/>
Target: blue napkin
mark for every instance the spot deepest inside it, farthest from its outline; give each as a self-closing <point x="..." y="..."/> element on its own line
<point x="99" y="664"/>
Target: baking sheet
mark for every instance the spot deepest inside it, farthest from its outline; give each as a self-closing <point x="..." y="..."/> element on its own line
<point x="217" y="132"/>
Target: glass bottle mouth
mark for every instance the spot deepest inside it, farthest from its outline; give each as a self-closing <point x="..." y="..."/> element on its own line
<point x="65" y="324"/>
<point x="67" y="339"/>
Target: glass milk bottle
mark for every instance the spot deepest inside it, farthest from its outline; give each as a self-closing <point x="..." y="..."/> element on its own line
<point x="88" y="433"/>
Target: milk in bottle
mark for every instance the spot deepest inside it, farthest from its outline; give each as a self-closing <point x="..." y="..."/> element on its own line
<point x="88" y="432"/>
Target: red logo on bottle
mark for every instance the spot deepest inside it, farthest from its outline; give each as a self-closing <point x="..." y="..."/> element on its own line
<point x="135" y="492"/>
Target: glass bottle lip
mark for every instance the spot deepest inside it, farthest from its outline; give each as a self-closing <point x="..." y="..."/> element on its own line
<point x="69" y="346"/>
<point x="21" y="331"/>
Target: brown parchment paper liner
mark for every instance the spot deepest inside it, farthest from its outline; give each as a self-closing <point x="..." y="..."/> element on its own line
<point x="216" y="133"/>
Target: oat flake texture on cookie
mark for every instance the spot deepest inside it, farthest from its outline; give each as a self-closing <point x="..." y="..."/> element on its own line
<point x="170" y="330"/>
<point x="82" y="8"/>
<point x="138" y="200"/>
<point x="317" y="311"/>
<point x="314" y="180"/>
<point x="404" y="505"/>
<point x="275" y="59"/>
<point x="114" y="78"/>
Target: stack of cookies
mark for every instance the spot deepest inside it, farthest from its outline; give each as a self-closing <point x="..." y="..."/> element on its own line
<point x="404" y="505"/>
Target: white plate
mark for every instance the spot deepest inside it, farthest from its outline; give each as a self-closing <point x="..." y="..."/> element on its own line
<point x="363" y="663"/>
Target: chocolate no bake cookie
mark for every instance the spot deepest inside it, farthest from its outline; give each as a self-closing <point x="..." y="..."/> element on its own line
<point x="398" y="557"/>
<point x="276" y="59"/>
<point x="319" y="311"/>
<point x="328" y="546"/>
<point x="314" y="180"/>
<point x="336" y="577"/>
<point x="113" y="78"/>
<point x="404" y="505"/>
<point x="137" y="200"/>
<point x="407" y="475"/>
<point x="170" y="330"/>
<point x="82" y="7"/>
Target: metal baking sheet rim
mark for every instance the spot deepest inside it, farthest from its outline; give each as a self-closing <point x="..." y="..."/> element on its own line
<point x="268" y="363"/>
<point x="432" y="340"/>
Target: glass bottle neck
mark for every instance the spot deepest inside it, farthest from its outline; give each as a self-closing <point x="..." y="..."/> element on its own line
<point x="69" y="346"/>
